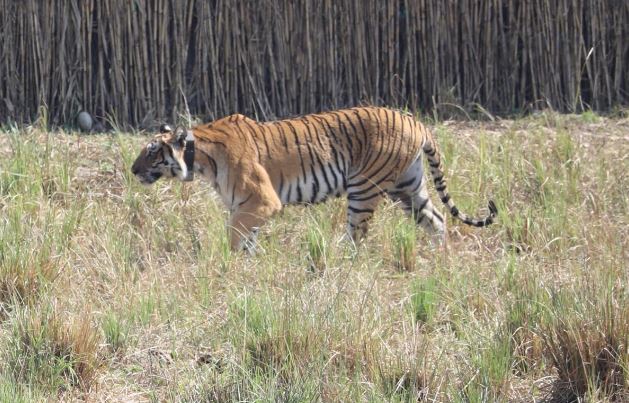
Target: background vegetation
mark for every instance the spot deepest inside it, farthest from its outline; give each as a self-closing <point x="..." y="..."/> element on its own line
<point x="111" y="291"/>
<point x="135" y="62"/>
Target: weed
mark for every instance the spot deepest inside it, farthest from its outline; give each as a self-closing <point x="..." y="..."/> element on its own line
<point x="45" y="349"/>
<point x="317" y="249"/>
<point x="404" y="245"/>
<point x="115" y="330"/>
<point x="424" y="299"/>
<point x="588" y="346"/>
<point x="589" y="116"/>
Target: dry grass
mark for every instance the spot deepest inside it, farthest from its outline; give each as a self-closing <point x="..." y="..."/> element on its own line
<point x="127" y="293"/>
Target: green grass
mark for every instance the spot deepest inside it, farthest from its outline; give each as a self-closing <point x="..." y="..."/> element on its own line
<point x="424" y="299"/>
<point x="115" y="331"/>
<point x="112" y="290"/>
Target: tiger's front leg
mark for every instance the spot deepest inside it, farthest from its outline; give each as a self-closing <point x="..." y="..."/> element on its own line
<point x="250" y="216"/>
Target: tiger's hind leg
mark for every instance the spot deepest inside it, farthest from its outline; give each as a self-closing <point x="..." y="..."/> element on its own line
<point x="412" y="192"/>
<point x="361" y="204"/>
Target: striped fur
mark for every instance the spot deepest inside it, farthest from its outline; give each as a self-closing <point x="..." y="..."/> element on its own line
<point x="257" y="167"/>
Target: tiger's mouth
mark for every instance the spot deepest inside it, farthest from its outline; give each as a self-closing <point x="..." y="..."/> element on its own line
<point x="149" y="178"/>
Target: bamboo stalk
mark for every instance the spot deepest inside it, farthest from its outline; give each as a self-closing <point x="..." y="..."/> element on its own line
<point x="142" y="61"/>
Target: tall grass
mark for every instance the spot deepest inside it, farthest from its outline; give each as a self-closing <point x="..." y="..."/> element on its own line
<point x="112" y="290"/>
<point x="46" y="350"/>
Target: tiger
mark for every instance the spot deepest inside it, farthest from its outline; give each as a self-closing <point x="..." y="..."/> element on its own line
<point x="365" y="153"/>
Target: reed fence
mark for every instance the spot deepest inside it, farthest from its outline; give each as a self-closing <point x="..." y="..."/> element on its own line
<point x="137" y="62"/>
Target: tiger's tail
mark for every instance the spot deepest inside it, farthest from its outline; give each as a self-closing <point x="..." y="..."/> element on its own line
<point x="436" y="169"/>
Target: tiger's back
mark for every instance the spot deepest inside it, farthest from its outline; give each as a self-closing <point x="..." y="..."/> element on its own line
<point x="317" y="156"/>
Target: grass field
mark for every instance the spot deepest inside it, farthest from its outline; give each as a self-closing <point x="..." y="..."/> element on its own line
<point x="112" y="291"/>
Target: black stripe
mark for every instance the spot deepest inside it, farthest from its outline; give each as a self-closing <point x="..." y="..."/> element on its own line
<point x="251" y="137"/>
<point x="288" y="194"/>
<point x="335" y="160"/>
<point x="318" y="128"/>
<point x="297" y="144"/>
<point x="341" y="163"/>
<point x="230" y="133"/>
<point x="325" y="175"/>
<point x="421" y="207"/>
<point x="416" y="188"/>
<point x="268" y="131"/>
<point x="436" y="214"/>
<point x="315" y="185"/>
<point x="395" y="151"/>
<point x="365" y="190"/>
<point x="266" y="144"/>
<point x="369" y="149"/>
<point x="343" y="130"/>
<point x="393" y="114"/>
<point x="386" y="124"/>
<point x="334" y="175"/>
<point x="311" y="160"/>
<point x="360" y="182"/>
<point x="233" y="194"/>
<point x="211" y="161"/>
<point x="223" y="132"/>
<point x="359" y="210"/>
<point x="246" y="200"/>
<point x="360" y="122"/>
<point x="409" y="182"/>
<point x="353" y="133"/>
<point x="281" y="131"/>
<point x="281" y="186"/>
<point x="352" y="196"/>
<point x="328" y="129"/>
<point x="408" y="141"/>
<point x="374" y="117"/>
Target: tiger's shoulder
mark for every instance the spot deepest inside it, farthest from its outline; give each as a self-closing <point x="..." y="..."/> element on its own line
<point x="224" y="126"/>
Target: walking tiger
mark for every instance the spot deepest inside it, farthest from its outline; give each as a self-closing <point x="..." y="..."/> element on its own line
<point x="366" y="153"/>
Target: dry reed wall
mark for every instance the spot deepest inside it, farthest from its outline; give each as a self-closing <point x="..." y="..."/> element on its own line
<point x="136" y="62"/>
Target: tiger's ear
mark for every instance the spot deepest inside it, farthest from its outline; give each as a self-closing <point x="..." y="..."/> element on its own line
<point x="165" y="129"/>
<point x="180" y="135"/>
<point x="176" y="138"/>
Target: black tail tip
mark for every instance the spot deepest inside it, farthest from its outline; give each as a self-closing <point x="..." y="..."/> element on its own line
<point x="493" y="210"/>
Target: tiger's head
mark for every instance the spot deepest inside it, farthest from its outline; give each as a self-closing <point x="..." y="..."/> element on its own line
<point x="170" y="154"/>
